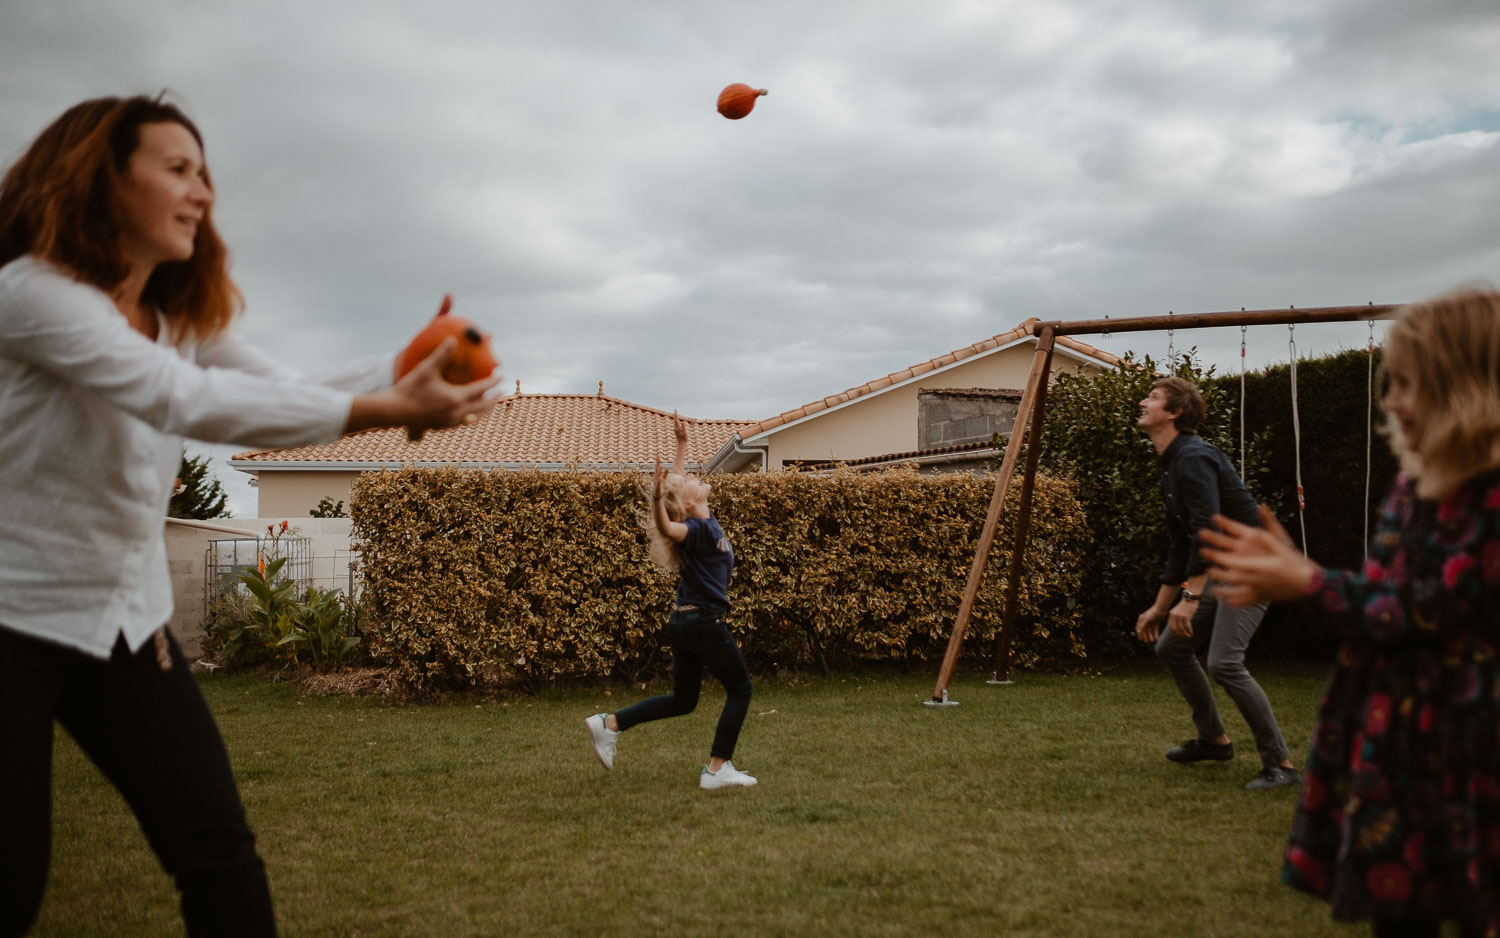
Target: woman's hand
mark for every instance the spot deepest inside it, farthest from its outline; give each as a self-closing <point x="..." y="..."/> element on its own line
<point x="1254" y="565"/>
<point x="423" y="400"/>
<point x="658" y="477"/>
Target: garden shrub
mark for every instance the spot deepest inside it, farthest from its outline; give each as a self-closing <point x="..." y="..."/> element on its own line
<point x="530" y="575"/>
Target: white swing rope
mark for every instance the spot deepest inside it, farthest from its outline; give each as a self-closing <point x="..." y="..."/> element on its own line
<point x="1171" y="351"/>
<point x="1291" y="331"/>
<point x="1242" y="398"/>
<point x="1369" y="428"/>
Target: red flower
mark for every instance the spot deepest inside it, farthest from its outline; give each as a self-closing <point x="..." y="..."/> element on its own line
<point x="1489" y="562"/>
<point x="1388" y="882"/>
<point x="283" y="525"/>
<point x="1314" y="792"/>
<point x="1454" y="507"/>
<point x="1415" y="852"/>
<point x="1357" y="753"/>
<point x="1308" y="868"/>
<point x="1377" y="714"/>
<point x="1457" y="566"/>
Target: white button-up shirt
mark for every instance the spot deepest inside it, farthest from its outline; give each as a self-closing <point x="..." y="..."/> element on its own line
<point x="92" y="420"/>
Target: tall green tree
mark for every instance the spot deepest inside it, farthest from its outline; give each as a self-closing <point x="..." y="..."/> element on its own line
<point x="202" y="497"/>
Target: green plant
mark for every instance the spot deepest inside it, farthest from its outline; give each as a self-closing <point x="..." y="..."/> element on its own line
<point x="327" y="508"/>
<point x="318" y="627"/>
<point x="202" y="496"/>
<point x="273" y="606"/>
<point x="228" y="614"/>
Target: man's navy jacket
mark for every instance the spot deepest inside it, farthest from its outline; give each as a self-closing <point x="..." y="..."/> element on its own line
<point x="1197" y="482"/>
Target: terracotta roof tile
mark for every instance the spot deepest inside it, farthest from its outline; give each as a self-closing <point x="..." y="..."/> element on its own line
<point x="528" y="429"/>
<point x="1022" y="331"/>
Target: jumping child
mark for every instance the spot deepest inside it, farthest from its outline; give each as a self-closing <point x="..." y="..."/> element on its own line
<point x="686" y="540"/>
<point x="1399" y="819"/>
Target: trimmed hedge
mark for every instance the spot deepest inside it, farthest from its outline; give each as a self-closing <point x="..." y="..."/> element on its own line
<point x="473" y="577"/>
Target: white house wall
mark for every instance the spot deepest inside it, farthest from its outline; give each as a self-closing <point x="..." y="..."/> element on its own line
<point x="885" y="422"/>
<point x="291" y="494"/>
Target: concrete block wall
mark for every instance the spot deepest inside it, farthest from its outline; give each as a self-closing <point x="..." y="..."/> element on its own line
<point x="950" y="416"/>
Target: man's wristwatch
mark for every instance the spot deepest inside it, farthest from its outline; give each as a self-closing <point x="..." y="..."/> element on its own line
<point x="1191" y="596"/>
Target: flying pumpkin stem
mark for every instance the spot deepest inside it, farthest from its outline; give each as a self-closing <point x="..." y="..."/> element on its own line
<point x="737" y="100"/>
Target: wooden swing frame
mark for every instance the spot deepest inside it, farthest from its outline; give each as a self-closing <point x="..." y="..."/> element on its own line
<point x="1031" y="416"/>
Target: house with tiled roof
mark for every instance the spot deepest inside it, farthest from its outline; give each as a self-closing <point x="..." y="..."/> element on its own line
<point x="524" y="431"/>
<point x="940" y="413"/>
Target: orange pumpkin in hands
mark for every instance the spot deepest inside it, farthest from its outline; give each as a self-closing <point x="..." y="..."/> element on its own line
<point x="737" y="100"/>
<point x="471" y="358"/>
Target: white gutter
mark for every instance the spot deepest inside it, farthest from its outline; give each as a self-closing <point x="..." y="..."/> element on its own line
<point x="733" y="445"/>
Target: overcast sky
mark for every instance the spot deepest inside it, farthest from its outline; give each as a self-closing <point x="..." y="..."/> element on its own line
<point x="922" y="175"/>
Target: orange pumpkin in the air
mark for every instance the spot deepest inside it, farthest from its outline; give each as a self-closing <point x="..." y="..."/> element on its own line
<point x="471" y="359"/>
<point x="737" y="100"/>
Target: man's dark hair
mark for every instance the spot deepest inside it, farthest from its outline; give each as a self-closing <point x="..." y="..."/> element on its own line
<point x="1183" y="397"/>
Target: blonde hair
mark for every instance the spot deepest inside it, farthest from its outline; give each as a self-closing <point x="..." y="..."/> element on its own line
<point x="662" y="549"/>
<point x="1449" y="348"/>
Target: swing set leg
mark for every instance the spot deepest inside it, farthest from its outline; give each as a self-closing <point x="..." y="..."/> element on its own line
<point x="1028" y="413"/>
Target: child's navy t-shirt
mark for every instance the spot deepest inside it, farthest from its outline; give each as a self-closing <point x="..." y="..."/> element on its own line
<point x="707" y="559"/>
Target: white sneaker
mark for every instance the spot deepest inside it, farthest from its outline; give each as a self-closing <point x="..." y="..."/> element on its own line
<point x="602" y="738"/>
<point x="727" y="777"/>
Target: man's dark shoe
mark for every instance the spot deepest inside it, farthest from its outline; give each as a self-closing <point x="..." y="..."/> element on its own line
<point x="1196" y="750"/>
<point x="1275" y="776"/>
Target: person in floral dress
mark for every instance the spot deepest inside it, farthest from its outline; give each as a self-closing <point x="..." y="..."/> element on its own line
<point x="1399" y="817"/>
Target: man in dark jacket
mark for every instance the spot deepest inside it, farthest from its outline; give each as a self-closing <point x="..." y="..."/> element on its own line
<point x="1197" y="482"/>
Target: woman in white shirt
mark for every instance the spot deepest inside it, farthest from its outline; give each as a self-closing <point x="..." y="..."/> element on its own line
<point x="115" y="307"/>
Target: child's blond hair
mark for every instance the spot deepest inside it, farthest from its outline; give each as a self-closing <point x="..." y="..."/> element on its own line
<point x="1449" y="347"/>
<point x="662" y="549"/>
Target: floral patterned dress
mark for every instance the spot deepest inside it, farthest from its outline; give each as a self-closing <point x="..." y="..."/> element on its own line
<point x="1400" y="807"/>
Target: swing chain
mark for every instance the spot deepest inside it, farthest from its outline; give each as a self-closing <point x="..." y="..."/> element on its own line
<point x="1243" y="330"/>
<point x="1291" y="331"/>
<point x="1369" y="427"/>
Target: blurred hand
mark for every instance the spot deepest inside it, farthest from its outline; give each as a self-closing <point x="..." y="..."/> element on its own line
<point x="1254" y="565"/>
<point x="423" y="400"/>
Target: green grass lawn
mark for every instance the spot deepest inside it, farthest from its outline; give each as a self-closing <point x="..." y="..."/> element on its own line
<point x="1044" y="808"/>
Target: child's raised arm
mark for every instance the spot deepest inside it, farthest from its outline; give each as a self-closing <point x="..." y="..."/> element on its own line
<point x="675" y="530"/>
<point x="679" y="431"/>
